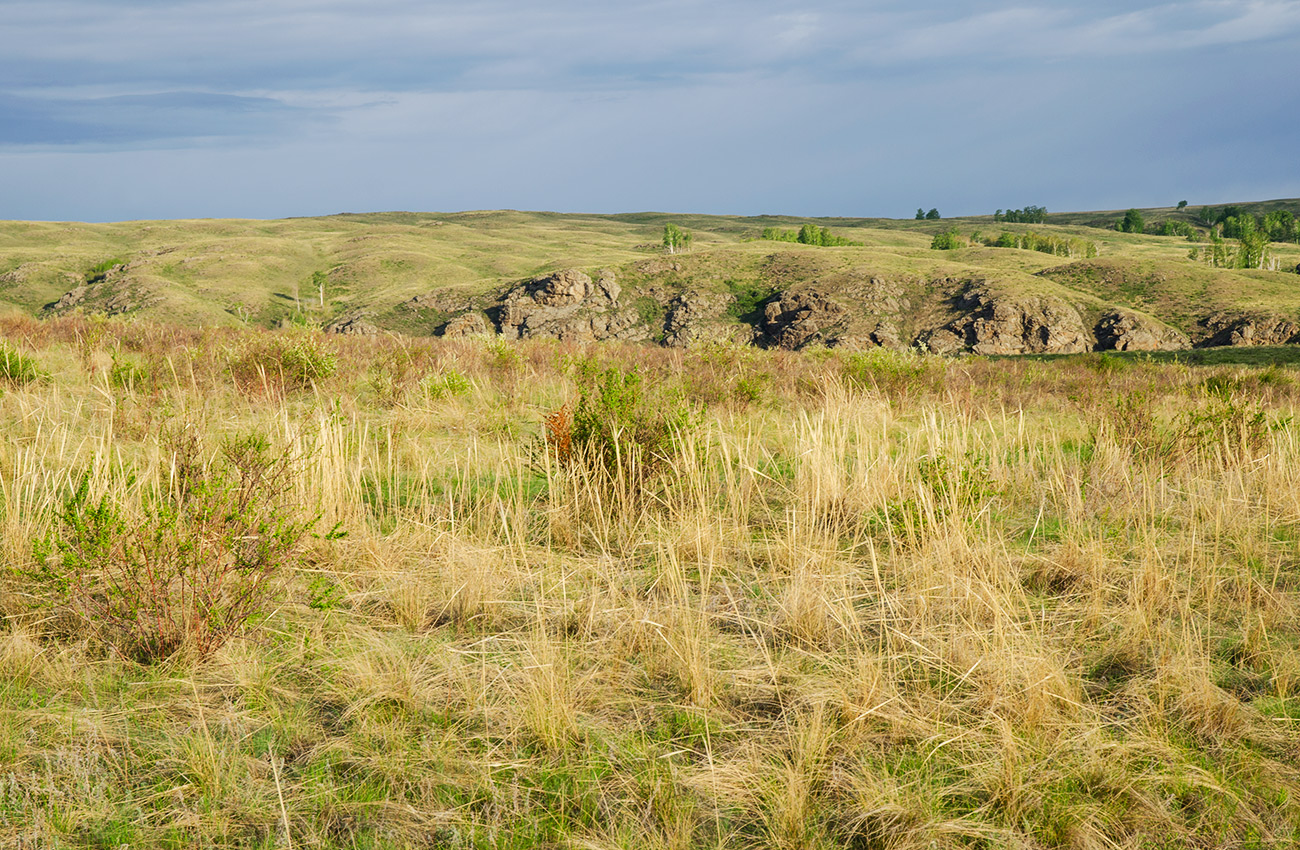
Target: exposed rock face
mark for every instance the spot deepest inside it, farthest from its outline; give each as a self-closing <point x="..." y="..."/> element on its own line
<point x="653" y="267"/>
<point x="467" y="324"/>
<point x="1125" y="330"/>
<point x="800" y="319"/>
<point x="996" y="324"/>
<point x="353" y="324"/>
<point x="695" y="318"/>
<point x="1249" y="329"/>
<point x="568" y="305"/>
<point x="114" y="293"/>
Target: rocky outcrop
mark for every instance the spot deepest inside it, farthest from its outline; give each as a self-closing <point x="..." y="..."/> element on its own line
<point x="1125" y="330"/>
<point x="568" y="305"/>
<point x="990" y="323"/>
<point x="352" y="324"/>
<point x="467" y="324"/>
<point x="114" y="293"/>
<point x="1248" y="329"/>
<point x="698" y="318"/>
<point x="797" y="320"/>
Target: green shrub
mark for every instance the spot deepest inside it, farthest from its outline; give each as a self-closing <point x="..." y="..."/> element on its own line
<point x="100" y="270"/>
<point x="17" y="368"/>
<point x="617" y="423"/>
<point x="185" y="570"/>
<point x="444" y="384"/>
<point x="899" y="373"/>
<point x="130" y="375"/>
<point x="289" y="359"/>
<point x="809" y="234"/>
<point x="947" y="240"/>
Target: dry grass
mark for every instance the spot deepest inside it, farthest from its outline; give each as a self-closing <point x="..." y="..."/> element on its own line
<point x="1006" y="606"/>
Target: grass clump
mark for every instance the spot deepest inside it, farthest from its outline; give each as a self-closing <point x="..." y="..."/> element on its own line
<point x="283" y="361"/>
<point x="17" y="368"/>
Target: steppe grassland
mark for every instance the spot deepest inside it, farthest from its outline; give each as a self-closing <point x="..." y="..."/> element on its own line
<point x="864" y="600"/>
<point x="261" y="273"/>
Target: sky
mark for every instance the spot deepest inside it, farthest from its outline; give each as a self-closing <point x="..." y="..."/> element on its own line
<point x="154" y="109"/>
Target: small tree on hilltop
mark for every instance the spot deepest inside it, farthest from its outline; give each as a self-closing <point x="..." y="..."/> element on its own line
<point x="676" y="240"/>
<point x="933" y="214"/>
<point x="1131" y="223"/>
<point x="920" y="214"/>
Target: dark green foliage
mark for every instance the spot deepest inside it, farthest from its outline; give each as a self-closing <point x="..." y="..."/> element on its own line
<point x="1174" y="227"/>
<point x="100" y="270"/>
<point x="1182" y="205"/>
<point x="933" y="215"/>
<point x="920" y="214"/>
<point x="187" y="569"/>
<point x="17" y="368"/>
<point x="1235" y="223"/>
<point x="947" y="240"/>
<point x="1251" y="252"/>
<point x="750" y="298"/>
<point x="809" y="234"/>
<point x="1028" y="215"/>
<point x="1131" y="223"/>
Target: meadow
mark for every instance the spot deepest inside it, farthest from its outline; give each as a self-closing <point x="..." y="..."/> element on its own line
<point x="288" y="590"/>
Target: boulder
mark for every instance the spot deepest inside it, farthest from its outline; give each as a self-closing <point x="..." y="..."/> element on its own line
<point x="999" y="324"/>
<point x="1248" y="329"/>
<point x="695" y="318"/>
<point x="797" y="320"/>
<point x="353" y="324"/>
<point x="467" y="324"/>
<point x="1125" y="330"/>
<point x="568" y="305"/>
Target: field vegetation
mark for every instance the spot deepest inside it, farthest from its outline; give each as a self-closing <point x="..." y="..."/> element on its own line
<point x="288" y="590"/>
<point x="312" y="272"/>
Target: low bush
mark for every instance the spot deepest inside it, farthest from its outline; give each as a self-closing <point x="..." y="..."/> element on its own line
<point x="16" y="368"/>
<point x="617" y="423"/>
<point x="287" y="360"/>
<point x="182" y="571"/>
<point x="947" y="241"/>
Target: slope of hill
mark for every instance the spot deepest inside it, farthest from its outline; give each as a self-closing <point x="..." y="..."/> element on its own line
<point x="426" y="274"/>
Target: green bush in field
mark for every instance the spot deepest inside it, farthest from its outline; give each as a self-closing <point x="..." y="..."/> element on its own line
<point x="947" y="241"/>
<point x="290" y="360"/>
<point x="17" y="368"/>
<point x="189" y="568"/>
<point x="444" y="384"/>
<point x="617" y="423"/>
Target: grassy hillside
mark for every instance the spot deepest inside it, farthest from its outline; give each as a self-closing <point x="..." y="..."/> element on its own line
<point x="265" y="272"/>
<point x="637" y="598"/>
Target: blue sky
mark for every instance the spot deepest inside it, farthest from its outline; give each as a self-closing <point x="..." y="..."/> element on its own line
<point x="267" y="108"/>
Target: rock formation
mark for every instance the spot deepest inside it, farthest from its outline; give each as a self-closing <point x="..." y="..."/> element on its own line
<point x="797" y="320"/>
<point x="568" y="305"/>
<point x="1125" y="330"/>
<point x="352" y="324"/>
<point x="1248" y="329"/>
<point x="997" y="324"/>
<point x="695" y="318"/>
<point x="467" y="324"/>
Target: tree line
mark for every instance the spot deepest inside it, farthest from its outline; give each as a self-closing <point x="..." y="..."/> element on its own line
<point x="1046" y="243"/>
<point x="809" y="234"/>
